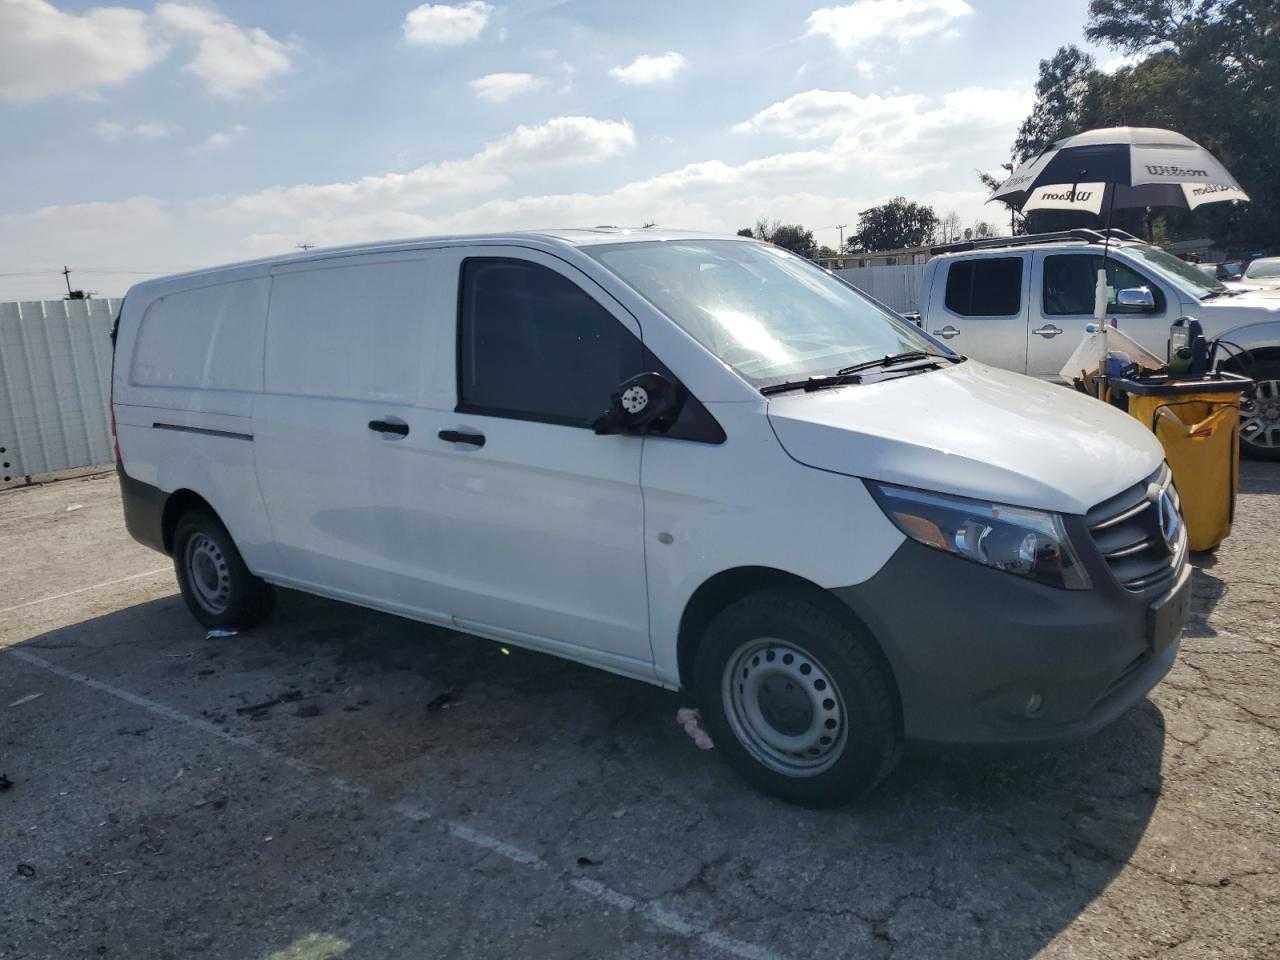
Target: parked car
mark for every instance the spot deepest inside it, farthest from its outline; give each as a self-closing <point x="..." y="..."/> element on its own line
<point x="1263" y="272"/>
<point x="1023" y="304"/>
<point x="698" y="461"/>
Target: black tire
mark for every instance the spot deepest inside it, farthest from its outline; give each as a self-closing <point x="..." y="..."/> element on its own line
<point x="1267" y="375"/>
<point x="868" y="738"/>
<point x="218" y="588"/>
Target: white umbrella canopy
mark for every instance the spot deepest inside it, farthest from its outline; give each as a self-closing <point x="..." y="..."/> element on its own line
<point x="1117" y="167"/>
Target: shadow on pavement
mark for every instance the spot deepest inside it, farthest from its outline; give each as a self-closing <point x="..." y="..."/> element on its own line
<point x="962" y="852"/>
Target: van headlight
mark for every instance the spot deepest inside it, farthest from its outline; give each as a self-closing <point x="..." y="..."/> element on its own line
<point x="1029" y="543"/>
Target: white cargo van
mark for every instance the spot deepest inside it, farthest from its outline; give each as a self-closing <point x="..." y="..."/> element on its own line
<point x="697" y="461"/>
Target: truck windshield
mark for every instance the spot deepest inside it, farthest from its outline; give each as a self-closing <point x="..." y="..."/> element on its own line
<point x="1185" y="276"/>
<point x="770" y="315"/>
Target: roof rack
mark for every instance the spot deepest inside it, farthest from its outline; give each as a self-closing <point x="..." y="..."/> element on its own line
<point x="1079" y="233"/>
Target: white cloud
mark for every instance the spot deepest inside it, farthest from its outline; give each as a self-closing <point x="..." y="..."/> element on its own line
<point x="865" y="20"/>
<point x="221" y="140"/>
<point x="1112" y="64"/>
<point x="445" y="25"/>
<point x="232" y="61"/>
<point x="45" y="52"/>
<point x="830" y="174"/>
<point x="110" y="132"/>
<point x="501" y="87"/>
<point x="561" y="140"/>
<point x="865" y="68"/>
<point x="647" y="69"/>
<point x="897" y="125"/>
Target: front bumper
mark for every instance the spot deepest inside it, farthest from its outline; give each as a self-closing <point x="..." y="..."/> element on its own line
<point x="981" y="656"/>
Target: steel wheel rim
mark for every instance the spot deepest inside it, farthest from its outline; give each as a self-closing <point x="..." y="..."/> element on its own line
<point x="784" y="707"/>
<point x="208" y="573"/>
<point x="1260" y="415"/>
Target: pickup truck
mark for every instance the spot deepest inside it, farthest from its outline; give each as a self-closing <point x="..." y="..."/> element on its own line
<point x="1023" y="303"/>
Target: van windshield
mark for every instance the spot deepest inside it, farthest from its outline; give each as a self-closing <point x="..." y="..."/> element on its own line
<point x="767" y="313"/>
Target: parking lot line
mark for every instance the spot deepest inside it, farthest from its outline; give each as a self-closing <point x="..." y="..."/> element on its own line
<point x="96" y="586"/>
<point x="654" y="913"/>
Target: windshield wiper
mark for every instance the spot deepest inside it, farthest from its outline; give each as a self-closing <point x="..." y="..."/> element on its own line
<point x="810" y="384"/>
<point x="890" y="361"/>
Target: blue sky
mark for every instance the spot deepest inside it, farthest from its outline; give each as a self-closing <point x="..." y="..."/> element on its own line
<point x="162" y="136"/>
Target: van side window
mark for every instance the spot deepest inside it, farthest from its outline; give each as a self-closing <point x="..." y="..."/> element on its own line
<point x="208" y="338"/>
<point x="990" y="287"/>
<point x="355" y="330"/>
<point x="532" y="345"/>
<point x="1069" y="281"/>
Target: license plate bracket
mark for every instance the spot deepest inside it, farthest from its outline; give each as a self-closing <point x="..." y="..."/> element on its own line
<point x="1168" y="615"/>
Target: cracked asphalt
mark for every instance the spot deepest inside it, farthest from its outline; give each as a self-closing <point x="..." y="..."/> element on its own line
<point x="341" y="783"/>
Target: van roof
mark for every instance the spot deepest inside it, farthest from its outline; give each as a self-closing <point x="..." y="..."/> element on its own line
<point x="575" y="237"/>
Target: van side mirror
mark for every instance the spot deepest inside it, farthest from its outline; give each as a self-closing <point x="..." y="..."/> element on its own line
<point x="1136" y="299"/>
<point x="638" y="404"/>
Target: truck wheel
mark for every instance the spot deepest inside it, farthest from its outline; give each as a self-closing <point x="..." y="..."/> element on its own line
<point x="798" y="699"/>
<point x="1260" y="414"/>
<point x="218" y="588"/>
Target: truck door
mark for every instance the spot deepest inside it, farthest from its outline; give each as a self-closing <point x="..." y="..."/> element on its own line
<point x="1063" y="307"/>
<point x="981" y="311"/>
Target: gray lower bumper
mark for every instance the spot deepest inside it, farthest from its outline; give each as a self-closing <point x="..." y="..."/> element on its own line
<point x="983" y="656"/>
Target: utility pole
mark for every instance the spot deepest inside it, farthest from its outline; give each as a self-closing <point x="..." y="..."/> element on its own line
<point x="304" y="246"/>
<point x="66" y="275"/>
<point x="840" y="227"/>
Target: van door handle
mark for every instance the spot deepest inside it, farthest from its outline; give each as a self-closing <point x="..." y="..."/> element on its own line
<point x="457" y="436"/>
<point x="946" y="332"/>
<point x="386" y="426"/>
<point x="1048" y="331"/>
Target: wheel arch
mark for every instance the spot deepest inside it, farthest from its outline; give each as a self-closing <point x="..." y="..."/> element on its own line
<point x="729" y="586"/>
<point x="177" y="504"/>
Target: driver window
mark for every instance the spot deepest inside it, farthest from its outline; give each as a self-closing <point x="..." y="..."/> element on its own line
<point x="1069" y="282"/>
<point x="534" y="346"/>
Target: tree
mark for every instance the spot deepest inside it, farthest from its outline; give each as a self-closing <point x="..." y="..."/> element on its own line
<point x="898" y="223"/>
<point x="789" y="236"/>
<point x="1062" y="100"/>
<point x="1210" y="70"/>
<point x="793" y="237"/>
<point x="949" y="230"/>
<point x="826" y="253"/>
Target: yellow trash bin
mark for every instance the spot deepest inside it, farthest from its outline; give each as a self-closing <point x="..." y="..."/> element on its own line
<point x="1198" y="424"/>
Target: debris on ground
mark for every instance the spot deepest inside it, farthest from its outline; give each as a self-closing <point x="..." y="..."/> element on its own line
<point x="442" y="701"/>
<point x="221" y="634"/>
<point x="691" y="720"/>
<point x="27" y="699"/>
<point x="26" y="870"/>
<point x="588" y="862"/>
<point x="308" y="710"/>
<point x="74" y="507"/>
<point x="289" y="696"/>
<point x="5" y="783"/>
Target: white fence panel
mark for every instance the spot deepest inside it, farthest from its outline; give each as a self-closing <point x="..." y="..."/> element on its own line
<point x="897" y="287"/>
<point x="55" y="384"/>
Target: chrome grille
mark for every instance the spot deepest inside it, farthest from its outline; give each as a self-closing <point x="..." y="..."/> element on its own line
<point x="1126" y="531"/>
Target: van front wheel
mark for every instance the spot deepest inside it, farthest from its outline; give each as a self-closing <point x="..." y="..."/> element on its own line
<point x="798" y="699"/>
<point x="218" y="588"/>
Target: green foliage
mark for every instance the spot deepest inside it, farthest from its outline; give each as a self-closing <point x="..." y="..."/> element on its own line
<point x="898" y="223"/>
<point x="789" y="236"/>
<point x="1063" y="96"/>
<point x="1211" y="71"/>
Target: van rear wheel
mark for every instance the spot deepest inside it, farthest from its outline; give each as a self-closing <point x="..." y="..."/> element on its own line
<point x="218" y="588"/>
<point x="798" y="698"/>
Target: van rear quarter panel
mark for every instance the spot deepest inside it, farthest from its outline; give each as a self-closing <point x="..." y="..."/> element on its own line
<point x="189" y="355"/>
